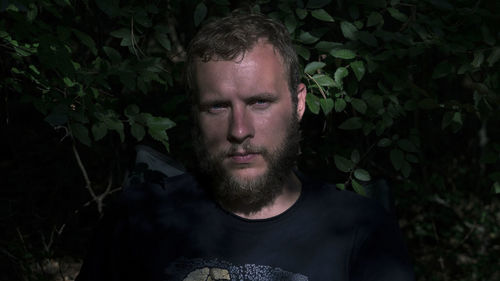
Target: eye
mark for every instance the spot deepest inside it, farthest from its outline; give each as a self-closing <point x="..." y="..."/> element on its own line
<point x="215" y="108"/>
<point x="260" y="103"/>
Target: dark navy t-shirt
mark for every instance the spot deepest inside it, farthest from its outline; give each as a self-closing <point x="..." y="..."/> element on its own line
<point x="172" y="230"/>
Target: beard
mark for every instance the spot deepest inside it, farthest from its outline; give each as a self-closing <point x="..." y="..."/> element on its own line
<point x="249" y="195"/>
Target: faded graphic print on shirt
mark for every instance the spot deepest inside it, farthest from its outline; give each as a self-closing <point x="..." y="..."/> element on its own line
<point x="214" y="269"/>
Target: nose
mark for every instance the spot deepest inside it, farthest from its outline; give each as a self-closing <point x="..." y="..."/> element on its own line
<point x="240" y="125"/>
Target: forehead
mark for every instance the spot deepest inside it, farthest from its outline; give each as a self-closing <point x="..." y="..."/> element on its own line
<point x="259" y="68"/>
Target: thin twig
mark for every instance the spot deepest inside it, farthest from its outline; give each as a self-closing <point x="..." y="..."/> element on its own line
<point x="435" y="231"/>
<point x="468" y="234"/>
<point x="88" y="184"/>
<point x="132" y="39"/>
<point x="319" y="86"/>
<point x="65" y="129"/>
<point x="135" y="46"/>
<point x="179" y="53"/>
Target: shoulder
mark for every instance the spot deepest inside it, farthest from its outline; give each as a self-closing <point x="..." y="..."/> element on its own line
<point x="342" y="203"/>
<point x="157" y="195"/>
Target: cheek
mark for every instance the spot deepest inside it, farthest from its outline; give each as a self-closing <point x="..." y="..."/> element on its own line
<point x="273" y="128"/>
<point x="212" y="131"/>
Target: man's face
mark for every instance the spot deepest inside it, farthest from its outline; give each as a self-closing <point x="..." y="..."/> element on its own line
<point x="248" y="125"/>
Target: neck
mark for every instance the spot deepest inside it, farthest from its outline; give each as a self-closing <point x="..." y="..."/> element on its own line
<point x="290" y="194"/>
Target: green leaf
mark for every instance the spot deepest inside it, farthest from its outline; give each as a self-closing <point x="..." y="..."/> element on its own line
<point x="222" y="2"/>
<point x="326" y="105"/>
<point x="157" y="128"/>
<point x="16" y="71"/>
<point x="343" y="54"/>
<point x="307" y="38"/>
<point x="322" y="15"/>
<point x="358" y="68"/>
<point x="315" y="4"/>
<point x="302" y="51"/>
<point x="120" y="33"/>
<point x="32" y="12"/>
<point x="487" y="37"/>
<point x="81" y="133"/>
<point x="327" y="46"/>
<point x="348" y="30"/>
<point x="324" y="80"/>
<point x="142" y="18"/>
<point x="339" y="75"/>
<point x="493" y="57"/>
<point x="131" y="110"/>
<point x="113" y="54"/>
<point x="384" y="142"/>
<point x="395" y="13"/>
<point x="301" y="13"/>
<point x="457" y="118"/>
<point x="290" y="23"/>
<point x="406" y="169"/>
<point x="496" y="188"/>
<point x="34" y="69"/>
<point x="164" y="41"/>
<point x="495" y="176"/>
<point x="359" y="105"/>
<point x="110" y="119"/>
<point x="313" y="103"/>
<point x="367" y="38"/>
<point x="411" y="158"/>
<point x="68" y="82"/>
<point x="340" y="105"/>
<point x="285" y="7"/>
<point x="352" y="123"/>
<point x="442" y="69"/>
<point x="159" y="123"/>
<point x="374" y="18"/>
<point x="12" y="8"/>
<point x="111" y="8"/>
<point x="56" y="118"/>
<point x="478" y="58"/>
<point x="374" y="101"/>
<point x="340" y="186"/>
<point x="313" y="66"/>
<point x="99" y="131"/>
<point x="343" y="164"/>
<point x="407" y="145"/>
<point x="362" y="175"/>
<point x="428" y="103"/>
<point x="138" y="131"/>
<point x="86" y="40"/>
<point x="200" y="12"/>
<point x="358" y="188"/>
<point x="442" y="5"/>
<point x="355" y="156"/>
<point x="397" y="158"/>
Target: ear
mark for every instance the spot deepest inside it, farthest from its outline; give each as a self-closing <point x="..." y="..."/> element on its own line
<point x="301" y="101"/>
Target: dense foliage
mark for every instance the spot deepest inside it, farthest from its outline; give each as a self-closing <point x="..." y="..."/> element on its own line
<point x="407" y="90"/>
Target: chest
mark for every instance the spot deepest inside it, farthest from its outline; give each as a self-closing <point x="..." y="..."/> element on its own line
<point x="294" y="249"/>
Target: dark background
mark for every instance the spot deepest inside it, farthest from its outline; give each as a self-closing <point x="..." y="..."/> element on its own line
<point x="429" y="91"/>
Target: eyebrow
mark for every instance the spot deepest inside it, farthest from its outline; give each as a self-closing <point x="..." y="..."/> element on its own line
<point x="261" y="96"/>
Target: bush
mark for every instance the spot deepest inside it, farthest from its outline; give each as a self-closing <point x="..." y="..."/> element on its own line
<point x="402" y="90"/>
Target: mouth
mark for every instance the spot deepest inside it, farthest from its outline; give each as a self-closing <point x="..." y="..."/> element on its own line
<point x="243" y="157"/>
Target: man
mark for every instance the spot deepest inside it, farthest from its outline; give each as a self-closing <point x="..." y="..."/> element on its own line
<point x="246" y="215"/>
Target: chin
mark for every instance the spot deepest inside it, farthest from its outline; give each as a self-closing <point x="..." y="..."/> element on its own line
<point x="247" y="173"/>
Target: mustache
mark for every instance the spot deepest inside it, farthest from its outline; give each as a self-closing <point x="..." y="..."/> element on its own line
<point x="242" y="149"/>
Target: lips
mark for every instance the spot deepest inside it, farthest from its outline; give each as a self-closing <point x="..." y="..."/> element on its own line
<point x="243" y="158"/>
